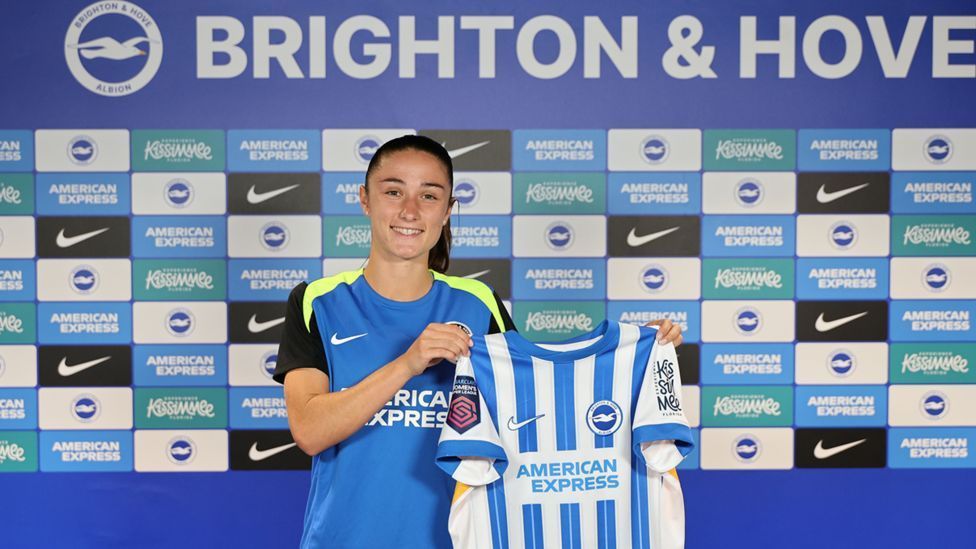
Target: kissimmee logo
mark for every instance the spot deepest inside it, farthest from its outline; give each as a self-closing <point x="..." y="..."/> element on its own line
<point x="553" y="321"/>
<point x="108" y="58"/>
<point x="730" y="150"/>
<point x="177" y="150"/>
<point x="16" y="192"/>
<point x="747" y="406"/>
<point x="932" y="363"/>
<point x="18" y="451"/>
<point x="180" y="408"/>
<point x="748" y="278"/>
<point x="933" y="235"/>
<point x="562" y="193"/>
<point x="346" y="236"/>
<point x="17" y="323"/>
<point x="179" y="280"/>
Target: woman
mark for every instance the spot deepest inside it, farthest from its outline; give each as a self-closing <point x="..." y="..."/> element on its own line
<point x="360" y="361"/>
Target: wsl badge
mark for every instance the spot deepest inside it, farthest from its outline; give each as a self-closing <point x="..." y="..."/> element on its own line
<point x="464" y="411"/>
<point x="112" y="58"/>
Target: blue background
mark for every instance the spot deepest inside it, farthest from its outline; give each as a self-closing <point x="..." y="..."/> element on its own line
<point x="798" y="508"/>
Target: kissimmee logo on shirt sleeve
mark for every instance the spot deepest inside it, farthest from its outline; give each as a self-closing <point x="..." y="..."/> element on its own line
<point x="933" y="235"/>
<point x="274" y="150"/>
<point x="555" y="321"/>
<point x="18" y="451"/>
<point x="746" y="406"/>
<point x="933" y="192"/>
<point x="167" y="279"/>
<point x="16" y="151"/>
<point x="86" y="451"/>
<point x="932" y="363"/>
<point x="172" y="236"/>
<point x="560" y="193"/>
<point x="83" y="193"/>
<point x="668" y="193"/>
<point x="844" y="150"/>
<point x="183" y="408"/>
<point x="744" y="150"/>
<point x="559" y="150"/>
<point x="177" y="150"/>
<point x="16" y="193"/>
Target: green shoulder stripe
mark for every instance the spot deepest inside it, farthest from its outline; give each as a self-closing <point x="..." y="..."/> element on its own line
<point x="323" y="286"/>
<point x="478" y="289"/>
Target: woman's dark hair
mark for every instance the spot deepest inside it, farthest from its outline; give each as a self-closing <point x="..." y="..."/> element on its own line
<point x="439" y="257"/>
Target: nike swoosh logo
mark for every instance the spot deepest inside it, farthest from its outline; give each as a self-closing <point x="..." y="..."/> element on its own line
<point x="465" y="150"/>
<point x="261" y="455"/>
<point x="255" y="197"/>
<point x="634" y="241"/>
<point x="516" y="426"/>
<point x="337" y="341"/>
<point x="65" y="370"/>
<point x="828" y="325"/>
<point x="69" y="241"/>
<point x="257" y="327"/>
<point x="824" y="197"/>
<point x="823" y="453"/>
<point x="477" y="274"/>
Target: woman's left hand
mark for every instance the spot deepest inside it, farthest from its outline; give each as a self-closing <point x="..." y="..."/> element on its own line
<point x="667" y="331"/>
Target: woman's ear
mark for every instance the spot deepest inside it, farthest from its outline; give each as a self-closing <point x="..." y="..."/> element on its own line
<point x="363" y="195"/>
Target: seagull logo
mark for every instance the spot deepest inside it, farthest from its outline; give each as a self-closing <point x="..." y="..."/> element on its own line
<point x="825" y="197"/>
<point x="255" y="197"/>
<point x="827" y="325"/>
<point x="68" y="241"/>
<point x="634" y="241"/>
<point x="110" y="48"/>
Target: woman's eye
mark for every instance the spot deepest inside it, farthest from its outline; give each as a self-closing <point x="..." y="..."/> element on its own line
<point x="393" y="192"/>
<point x="430" y="197"/>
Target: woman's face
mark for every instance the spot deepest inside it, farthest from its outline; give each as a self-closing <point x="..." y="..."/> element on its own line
<point x="408" y="204"/>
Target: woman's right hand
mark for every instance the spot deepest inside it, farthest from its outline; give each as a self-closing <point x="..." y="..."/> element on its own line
<point x="436" y="343"/>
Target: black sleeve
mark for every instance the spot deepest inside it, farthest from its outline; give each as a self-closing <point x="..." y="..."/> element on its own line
<point x="299" y="347"/>
<point x="507" y="323"/>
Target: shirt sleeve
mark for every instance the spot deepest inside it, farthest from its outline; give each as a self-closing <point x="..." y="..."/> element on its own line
<point x="661" y="435"/>
<point x="507" y="323"/>
<point x="469" y="448"/>
<point x="300" y="347"/>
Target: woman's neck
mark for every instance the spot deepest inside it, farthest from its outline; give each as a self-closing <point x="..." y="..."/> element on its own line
<point x="400" y="280"/>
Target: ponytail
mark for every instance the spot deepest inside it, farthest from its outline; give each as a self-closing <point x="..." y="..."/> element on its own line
<point x="439" y="257"/>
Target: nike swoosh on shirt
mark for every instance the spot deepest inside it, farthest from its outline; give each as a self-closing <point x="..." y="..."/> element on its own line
<point x="478" y="274"/>
<point x="257" y="327"/>
<point x="69" y="370"/>
<point x="823" y="453"/>
<point x="634" y="241"/>
<point x="69" y="241"/>
<point x="827" y="325"/>
<point x="255" y="197"/>
<point x="512" y="425"/>
<point x="465" y="150"/>
<point x="337" y="341"/>
<point x="825" y="197"/>
<point x="261" y="455"/>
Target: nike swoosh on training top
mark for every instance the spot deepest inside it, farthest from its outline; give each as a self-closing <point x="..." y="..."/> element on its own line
<point x="261" y="455"/>
<point x="827" y="325"/>
<point x="337" y="341"/>
<point x="634" y="241"/>
<point x="477" y="274"/>
<point x="825" y="197"/>
<point x="257" y="327"/>
<point x="69" y="241"/>
<point x="465" y="150"/>
<point x="255" y="197"/>
<point x="65" y="370"/>
<point x="823" y="453"/>
<point x="516" y="426"/>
